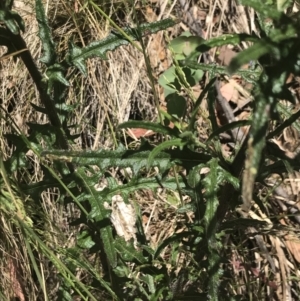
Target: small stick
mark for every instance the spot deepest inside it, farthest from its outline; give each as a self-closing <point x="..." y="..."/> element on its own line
<point x="237" y="134"/>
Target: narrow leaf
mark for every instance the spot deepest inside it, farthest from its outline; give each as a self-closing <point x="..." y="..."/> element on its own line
<point x="77" y="56"/>
<point x="106" y="232"/>
<point x="165" y="145"/>
<point x="252" y="53"/>
<point x="105" y="159"/>
<point x="128" y="252"/>
<point x="12" y="20"/>
<point x="49" y="56"/>
<point x="227" y="39"/>
<point x="228" y="127"/>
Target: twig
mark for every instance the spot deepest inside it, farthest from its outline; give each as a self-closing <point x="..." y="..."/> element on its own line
<point x="237" y="134"/>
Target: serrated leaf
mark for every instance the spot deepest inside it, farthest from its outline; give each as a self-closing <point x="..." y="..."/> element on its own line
<point x="18" y="159"/>
<point x="105" y="158"/>
<point x="55" y="73"/>
<point x="186" y="208"/>
<point x="96" y="199"/>
<point x="96" y="205"/>
<point x="227" y="176"/>
<point x="84" y="240"/>
<point x="49" y="55"/>
<point x="194" y="175"/>
<point x="240" y="223"/>
<point x="157" y="151"/>
<point x="172" y="239"/>
<point x="12" y="20"/>
<point x="126" y="189"/>
<point x="198" y="103"/>
<point x="47" y="133"/>
<point x="128" y="252"/>
<point x="19" y="20"/>
<point x="77" y="56"/>
<point x="228" y="39"/>
<point x="35" y="189"/>
<point x="136" y="159"/>
<point x="211" y="184"/>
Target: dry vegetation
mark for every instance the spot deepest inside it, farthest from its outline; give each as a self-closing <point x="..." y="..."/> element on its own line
<point x="262" y="264"/>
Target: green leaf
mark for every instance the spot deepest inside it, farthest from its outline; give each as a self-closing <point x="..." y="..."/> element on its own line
<point x="194" y="176"/>
<point x="250" y="76"/>
<point x="252" y="53"/>
<point x="38" y="109"/>
<point x="77" y="56"/>
<point x="100" y="213"/>
<point x="126" y="189"/>
<point x="176" y="105"/>
<point x="49" y="56"/>
<point x="84" y="240"/>
<point x="192" y="76"/>
<point x="167" y="119"/>
<point x="167" y="81"/>
<point x="186" y="208"/>
<point x="228" y="127"/>
<point x="228" y="39"/>
<point x="128" y="252"/>
<point x="157" y="151"/>
<point x="172" y="239"/>
<point x="12" y="20"/>
<point x="35" y="189"/>
<point x="197" y="75"/>
<point x="195" y="111"/>
<point x="136" y="159"/>
<point x="183" y="46"/>
<point x="55" y="73"/>
<point x="106" y="158"/>
<point x="18" y="159"/>
<point x="264" y="9"/>
<point x="211" y="184"/>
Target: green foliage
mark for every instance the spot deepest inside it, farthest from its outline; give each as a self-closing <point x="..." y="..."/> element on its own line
<point x="49" y="57"/>
<point x="181" y="163"/>
<point x="78" y="56"/>
<point x="173" y="79"/>
<point x="75" y="186"/>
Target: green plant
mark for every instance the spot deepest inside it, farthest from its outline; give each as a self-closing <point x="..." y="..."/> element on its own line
<point x="183" y="162"/>
<point x="53" y="88"/>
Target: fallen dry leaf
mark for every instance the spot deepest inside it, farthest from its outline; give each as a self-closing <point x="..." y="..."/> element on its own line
<point x="229" y="92"/>
<point x="292" y="243"/>
<point x="138" y="133"/>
